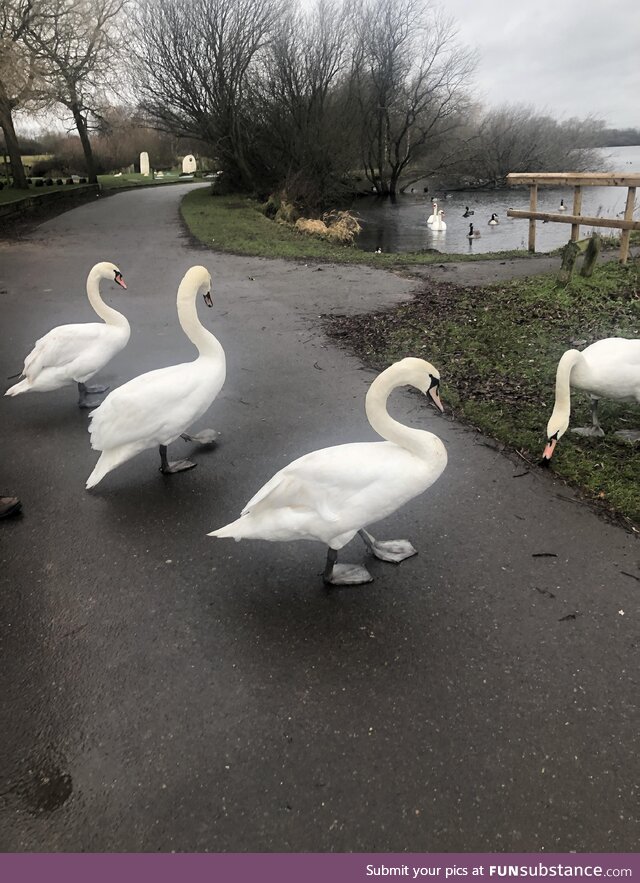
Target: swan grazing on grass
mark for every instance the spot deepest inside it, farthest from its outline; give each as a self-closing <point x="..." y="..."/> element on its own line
<point x="434" y="213"/>
<point x="156" y="408"/>
<point x="74" y="353"/>
<point x="609" y="368"/>
<point x="331" y="494"/>
<point x="439" y="224"/>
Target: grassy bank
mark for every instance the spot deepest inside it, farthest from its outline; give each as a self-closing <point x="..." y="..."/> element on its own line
<point x="107" y="182"/>
<point x="235" y="224"/>
<point x="498" y="348"/>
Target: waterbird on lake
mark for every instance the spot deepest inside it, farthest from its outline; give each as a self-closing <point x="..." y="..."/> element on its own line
<point x="467" y="212"/>
<point x="609" y="368"/>
<point x="473" y="234"/>
<point x="434" y="213"/>
<point x="74" y="353"/>
<point x="493" y="222"/>
<point x="333" y="493"/>
<point x="562" y="207"/>
<point x="439" y="225"/>
<point x="158" y="407"/>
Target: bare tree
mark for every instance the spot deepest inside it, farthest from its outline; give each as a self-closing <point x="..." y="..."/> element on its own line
<point x="411" y="78"/>
<point x="521" y="139"/>
<point x="194" y="71"/>
<point x="18" y="75"/>
<point x="307" y="121"/>
<point x="75" y="40"/>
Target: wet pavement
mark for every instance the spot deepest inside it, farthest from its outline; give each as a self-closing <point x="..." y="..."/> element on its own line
<point x="162" y="690"/>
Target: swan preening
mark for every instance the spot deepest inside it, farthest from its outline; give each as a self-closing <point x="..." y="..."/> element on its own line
<point x="156" y="408"/>
<point x="74" y="353"/>
<point x="331" y="494"/>
<point x="439" y="223"/>
<point x="434" y="213"/>
<point x="610" y="369"/>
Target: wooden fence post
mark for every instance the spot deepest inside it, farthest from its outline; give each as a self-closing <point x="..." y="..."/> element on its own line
<point x="577" y="209"/>
<point x="591" y="255"/>
<point x="533" y="205"/>
<point x="628" y="216"/>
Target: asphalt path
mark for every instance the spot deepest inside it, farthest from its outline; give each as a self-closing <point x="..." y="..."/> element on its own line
<point x="162" y="690"/>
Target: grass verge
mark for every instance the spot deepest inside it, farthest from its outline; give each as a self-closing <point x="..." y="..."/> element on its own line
<point x="498" y="348"/>
<point x="235" y="224"/>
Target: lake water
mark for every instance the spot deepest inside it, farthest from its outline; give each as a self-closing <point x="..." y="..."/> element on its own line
<point x="402" y="225"/>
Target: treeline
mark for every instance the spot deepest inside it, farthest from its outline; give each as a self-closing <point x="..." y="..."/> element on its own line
<point x="314" y="102"/>
<point x="619" y="137"/>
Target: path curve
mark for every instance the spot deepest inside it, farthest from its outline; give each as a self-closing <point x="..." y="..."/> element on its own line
<point x="166" y="691"/>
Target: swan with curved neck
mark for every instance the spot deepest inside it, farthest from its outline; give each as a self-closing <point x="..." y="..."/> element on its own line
<point x="331" y="494"/>
<point x="156" y="408"/>
<point x="609" y="368"/>
<point x="74" y="353"/>
<point x="434" y="213"/>
<point x="439" y="223"/>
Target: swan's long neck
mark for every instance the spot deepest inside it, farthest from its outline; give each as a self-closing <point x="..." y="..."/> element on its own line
<point x="567" y="363"/>
<point x="207" y="345"/>
<point x="106" y="313"/>
<point x="414" y="440"/>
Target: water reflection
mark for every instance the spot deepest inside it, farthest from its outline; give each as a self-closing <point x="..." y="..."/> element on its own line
<point x="400" y="225"/>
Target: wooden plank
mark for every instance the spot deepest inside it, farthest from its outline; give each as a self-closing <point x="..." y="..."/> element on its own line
<point x="577" y="209"/>
<point x="616" y="223"/>
<point x="628" y="216"/>
<point x="586" y="179"/>
<point x="533" y="205"/>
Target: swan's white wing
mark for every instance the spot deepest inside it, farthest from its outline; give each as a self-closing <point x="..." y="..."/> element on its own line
<point x="67" y="343"/>
<point x="155" y="407"/>
<point x="614" y="366"/>
<point x="333" y="479"/>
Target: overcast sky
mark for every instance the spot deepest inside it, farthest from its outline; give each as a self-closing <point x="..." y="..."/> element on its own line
<point x="568" y="57"/>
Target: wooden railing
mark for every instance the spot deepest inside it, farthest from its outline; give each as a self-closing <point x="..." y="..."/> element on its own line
<point x="578" y="180"/>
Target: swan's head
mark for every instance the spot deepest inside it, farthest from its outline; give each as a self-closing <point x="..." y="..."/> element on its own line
<point x="198" y="279"/>
<point x="423" y="376"/>
<point x="107" y="270"/>
<point x="556" y="428"/>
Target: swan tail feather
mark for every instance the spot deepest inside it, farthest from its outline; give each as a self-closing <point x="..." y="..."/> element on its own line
<point x="17" y="388"/>
<point x="236" y="530"/>
<point x="108" y="461"/>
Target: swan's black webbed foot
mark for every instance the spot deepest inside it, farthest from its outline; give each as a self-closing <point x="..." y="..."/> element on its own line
<point x="628" y="435"/>
<point x="169" y="467"/>
<point x="85" y="391"/>
<point x="344" y="574"/>
<point x="393" y="551"/>
<point x="204" y="437"/>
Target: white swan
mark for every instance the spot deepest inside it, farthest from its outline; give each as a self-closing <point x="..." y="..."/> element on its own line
<point x="609" y="368"/>
<point x="439" y="224"/>
<point x="156" y="408"/>
<point x="493" y="221"/>
<point x="434" y="213"/>
<point x="331" y="494"/>
<point x="74" y="353"/>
